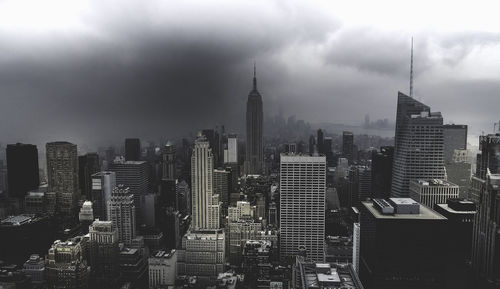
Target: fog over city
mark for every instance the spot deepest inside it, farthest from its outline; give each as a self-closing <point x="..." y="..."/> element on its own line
<point x="87" y="71"/>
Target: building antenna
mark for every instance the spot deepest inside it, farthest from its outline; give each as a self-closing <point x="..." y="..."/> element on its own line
<point x="254" y="76"/>
<point x="411" y="69"/>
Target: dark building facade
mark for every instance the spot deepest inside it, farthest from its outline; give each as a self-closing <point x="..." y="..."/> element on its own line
<point x="348" y="146"/>
<point x="404" y="247"/>
<point x="88" y="165"/>
<point x="382" y="171"/>
<point x="454" y="138"/>
<point x="132" y="149"/>
<point x="254" y="161"/>
<point x="486" y="236"/>
<point x="22" y="169"/>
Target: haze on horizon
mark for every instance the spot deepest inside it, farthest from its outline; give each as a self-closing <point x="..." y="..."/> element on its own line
<point x="87" y="71"/>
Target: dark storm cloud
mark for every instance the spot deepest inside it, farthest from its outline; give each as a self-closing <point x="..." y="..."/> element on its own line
<point x="136" y="76"/>
<point x="160" y="69"/>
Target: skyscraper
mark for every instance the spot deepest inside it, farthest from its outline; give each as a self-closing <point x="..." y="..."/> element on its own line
<point x="454" y="138"/>
<point x="132" y="149"/>
<point x="205" y="205"/>
<point x="22" y="169"/>
<point x="103" y="184"/>
<point x="121" y="211"/>
<point x="104" y="252"/>
<point x="135" y="176"/>
<point x="320" y="141"/>
<point x="88" y="164"/>
<point x="168" y="157"/>
<point x="418" y="152"/>
<point x="302" y="205"/>
<point x="254" y="161"/>
<point x="486" y="236"/>
<point x="231" y="151"/>
<point x="65" y="266"/>
<point x="403" y="245"/>
<point x="382" y="171"/>
<point x="62" y="174"/>
<point x="348" y="145"/>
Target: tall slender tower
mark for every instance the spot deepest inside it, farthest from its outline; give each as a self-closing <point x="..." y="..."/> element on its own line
<point x="254" y="162"/>
<point x="121" y="212"/>
<point x="62" y="173"/>
<point x="205" y="205"/>
<point x="418" y="152"/>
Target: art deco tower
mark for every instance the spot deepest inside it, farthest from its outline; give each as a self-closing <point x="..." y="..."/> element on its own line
<point x="254" y="160"/>
<point x="205" y="204"/>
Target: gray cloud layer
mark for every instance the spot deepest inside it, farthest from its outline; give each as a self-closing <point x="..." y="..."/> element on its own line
<point x="159" y="71"/>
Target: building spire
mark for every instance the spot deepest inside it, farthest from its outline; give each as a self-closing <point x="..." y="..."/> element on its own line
<point x="411" y="69"/>
<point x="254" y="77"/>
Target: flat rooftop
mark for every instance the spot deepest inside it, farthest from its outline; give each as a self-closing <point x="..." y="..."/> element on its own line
<point x="434" y="183"/>
<point x="425" y="213"/>
<point x="447" y="208"/>
<point x="16" y="220"/>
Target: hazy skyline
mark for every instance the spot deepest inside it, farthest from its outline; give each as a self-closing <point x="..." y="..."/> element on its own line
<point x="86" y="71"/>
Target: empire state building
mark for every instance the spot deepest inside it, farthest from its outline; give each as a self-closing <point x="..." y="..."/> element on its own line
<point x="254" y="161"/>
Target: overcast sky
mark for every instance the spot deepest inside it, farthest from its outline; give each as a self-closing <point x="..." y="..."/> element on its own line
<point x="92" y="71"/>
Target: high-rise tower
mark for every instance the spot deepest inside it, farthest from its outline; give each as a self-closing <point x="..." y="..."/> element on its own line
<point x="205" y="205"/>
<point x="254" y="162"/>
<point x="62" y="175"/>
<point x="418" y="152"/>
<point x="22" y="169"/>
<point x="302" y="205"/>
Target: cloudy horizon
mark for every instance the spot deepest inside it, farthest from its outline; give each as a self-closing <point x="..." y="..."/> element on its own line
<point x="88" y="70"/>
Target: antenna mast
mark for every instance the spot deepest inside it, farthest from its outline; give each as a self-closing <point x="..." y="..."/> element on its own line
<point x="411" y="69"/>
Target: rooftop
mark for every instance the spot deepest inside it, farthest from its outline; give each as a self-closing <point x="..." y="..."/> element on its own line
<point x="328" y="276"/>
<point x="425" y="213"/>
<point x="17" y="220"/>
<point x="164" y="254"/>
<point x="434" y="183"/>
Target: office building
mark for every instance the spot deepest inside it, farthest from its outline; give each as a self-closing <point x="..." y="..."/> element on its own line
<point x="65" y="266"/>
<point x="88" y="165"/>
<point x="243" y="209"/>
<point x="103" y="184"/>
<point x="86" y="214"/>
<point x="434" y="191"/>
<point x="34" y="268"/>
<point x="213" y="138"/>
<point x="254" y="158"/>
<point x="168" y="162"/>
<point x="348" y="146"/>
<point x="104" y="252"/>
<point x="231" y="150"/>
<point x="162" y="269"/>
<point x="22" y="169"/>
<point x="403" y="245"/>
<point x="360" y="184"/>
<point x="133" y="267"/>
<point x="302" y="205"/>
<point x="121" y="211"/>
<point x="239" y="233"/>
<point x="418" y="151"/>
<point x="320" y="141"/>
<point x="205" y="204"/>
<point x="486" y="190"/>
<point x="202" y="254"/>
<point x="132" y="149"/>
<point x="454" y="138"/>
<point x="382" y="171"/>
<point x="222" y="182"/>
<point x="135" y="176"/>
<point x="62" y="175"/>
<point x="35" y="202"/>
<point x="460" y="214"/>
